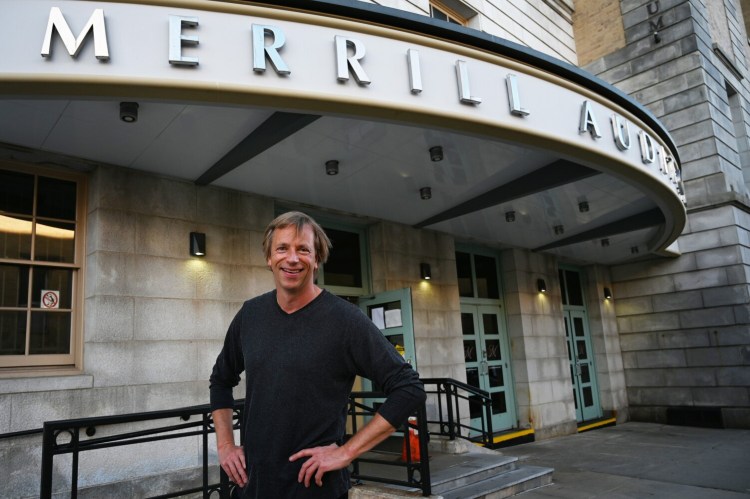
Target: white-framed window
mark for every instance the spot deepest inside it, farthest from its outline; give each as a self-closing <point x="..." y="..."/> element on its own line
<point x="439" y="10"/>
<point x="41" y="257"/>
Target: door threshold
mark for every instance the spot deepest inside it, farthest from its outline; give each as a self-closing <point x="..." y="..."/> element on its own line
<point x="510" y="437"/>
<point x="596" y="424"/>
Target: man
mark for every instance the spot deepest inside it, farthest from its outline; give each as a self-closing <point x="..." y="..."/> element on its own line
<point x="301" y="348"/>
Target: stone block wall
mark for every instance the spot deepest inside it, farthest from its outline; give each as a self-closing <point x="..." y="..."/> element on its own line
<point x="541" y="370"/>
<point x="155" y="319"/>
<point x="684" y="323"/>
<point x="396" y="252"/>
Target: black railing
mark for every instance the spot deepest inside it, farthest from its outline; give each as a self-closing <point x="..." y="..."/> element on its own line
<point x="76" y="443"/>
<point x="454" y="405"/>
<point x="407" y="470"/>
<point x="75" y="436"/>
<point x="456" y="402"/>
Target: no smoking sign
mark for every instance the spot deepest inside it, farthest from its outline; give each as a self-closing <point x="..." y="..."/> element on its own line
<point x="50" y="298"/>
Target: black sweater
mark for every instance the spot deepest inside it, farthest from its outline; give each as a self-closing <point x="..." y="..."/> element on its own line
<point x="300" y="370"/>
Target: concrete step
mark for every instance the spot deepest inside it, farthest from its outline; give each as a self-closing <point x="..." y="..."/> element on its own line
<point x="506" y="484"/>
<point x="449" y="472"/>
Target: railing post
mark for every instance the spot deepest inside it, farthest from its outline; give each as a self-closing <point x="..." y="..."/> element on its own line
<point x="48" y="442"/>
<point x="424" y="462"/>
<point x="204" y="437"/>
<point x="449" y="403"/>
<point x="75" y="434"/>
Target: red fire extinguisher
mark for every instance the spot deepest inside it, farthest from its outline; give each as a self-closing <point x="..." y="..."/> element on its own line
<point x="412" y="440"/>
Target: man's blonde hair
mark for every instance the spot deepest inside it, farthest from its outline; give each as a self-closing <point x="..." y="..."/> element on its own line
<point x="298" y="220"/>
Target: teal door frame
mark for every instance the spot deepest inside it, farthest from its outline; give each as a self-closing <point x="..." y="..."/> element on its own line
<point x="580" y="350"/>
<point x="487" y="357"/>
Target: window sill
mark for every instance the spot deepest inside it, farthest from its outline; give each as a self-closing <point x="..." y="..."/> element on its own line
<point x="46" y="382"/>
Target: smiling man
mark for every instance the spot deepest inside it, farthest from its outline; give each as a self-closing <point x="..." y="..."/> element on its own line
<point x="301" y="348"/>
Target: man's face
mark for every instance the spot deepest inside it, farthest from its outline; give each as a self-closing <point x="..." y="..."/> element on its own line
<point x="292" y="258"/>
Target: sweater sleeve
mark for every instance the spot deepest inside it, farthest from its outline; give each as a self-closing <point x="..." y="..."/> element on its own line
<point x="228" y="367"/>
<point x="379" y="361"/>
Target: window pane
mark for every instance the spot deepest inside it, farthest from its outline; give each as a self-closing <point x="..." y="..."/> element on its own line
<point x="489" y="321"/>
<point x="437" y="14"/>
<point x="487" y="285"/>
<point x="493" y="349"/>
<point x="467" y="323"/>
<point x="15" y="237"/>
<point x="50" y="279"/>
<point x="588" y="397"/>
<point x="344" y="265"/>
<point x="14" y="286"/>
<point x="12" y="333"/>
<point x="463" y="269"/>
<point x="573" y="282"/>
<point x="472" y="377"/>
<point x="470" y="351"/>
<point x="16" y="192"/>
<point x="561" y="276"/>
<point x="476" y="409"/>
<point x="56" y="199"/>
<point x="50" y="333"/>
<point x="496" y="376"/>
<point x="55" y="242"/>
<point x="498" y="403"/>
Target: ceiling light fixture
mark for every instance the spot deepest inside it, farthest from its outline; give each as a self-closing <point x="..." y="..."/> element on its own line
<point x="332" y="167"/>
<point x="129" y="112"/>
<point x="436" y="153"/>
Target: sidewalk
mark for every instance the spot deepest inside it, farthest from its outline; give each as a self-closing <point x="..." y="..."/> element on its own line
<point x="643" y="460"/>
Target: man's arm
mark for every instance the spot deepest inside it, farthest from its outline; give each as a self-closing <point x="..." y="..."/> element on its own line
<point x="332" y="457"/>
<point x="231" y="457"/>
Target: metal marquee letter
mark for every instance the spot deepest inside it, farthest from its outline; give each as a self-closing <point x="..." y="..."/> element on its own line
<point x="343" y="62"/>
<point x="177" y="40"/>
<point x="261" y="50"/>
<point x="588" y="121"/>
<point x="73" y="45"/>
<point x="464" y="88"/>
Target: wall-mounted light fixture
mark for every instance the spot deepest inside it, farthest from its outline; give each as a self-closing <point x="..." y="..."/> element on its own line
<point x="197" y="244"/>
<point x="605" y="242"/>
<point x="129" y="112"/>
<point x="583" y="206"/>
<point x="332" y="167"/>
<point x="510" y="216"/>
<point x="607" y="293"/>
<point x="425" y="272"/>
<point x="559" y="229"/>
<point x="436" y="153"/>
<point x="425" y="193"/>
<point x="541" y="285"/>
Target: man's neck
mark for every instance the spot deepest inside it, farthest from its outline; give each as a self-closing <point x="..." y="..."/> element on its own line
<point x="291" y="302"/>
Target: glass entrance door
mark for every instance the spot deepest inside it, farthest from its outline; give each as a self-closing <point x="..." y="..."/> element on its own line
<point x="582" y="370"/>
<point x="486" y="353"/>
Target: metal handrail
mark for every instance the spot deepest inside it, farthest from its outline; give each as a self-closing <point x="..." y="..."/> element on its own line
<point x="449" y="422"/>
<point x="51" y="447"/>
<point x="450" y="394"/>
<point x="416" y="471"/>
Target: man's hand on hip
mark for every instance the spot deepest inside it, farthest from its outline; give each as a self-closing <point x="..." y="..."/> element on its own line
<point x="321" y="459"/>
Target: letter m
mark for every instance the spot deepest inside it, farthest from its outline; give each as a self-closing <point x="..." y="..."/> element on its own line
<point x="73" y="45"/>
